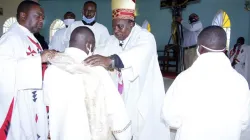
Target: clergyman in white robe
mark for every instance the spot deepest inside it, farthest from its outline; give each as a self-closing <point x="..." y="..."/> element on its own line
<point x="22" y="111"/>
<point x="57" y="41"/>
<point x="143" y="91"/>
<point x="100" y="31"/>
<point x="84" y="103"/>
<point x="208" y="101"/>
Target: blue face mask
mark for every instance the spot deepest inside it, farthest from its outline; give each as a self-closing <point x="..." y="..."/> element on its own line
<point x="88" y="20"/>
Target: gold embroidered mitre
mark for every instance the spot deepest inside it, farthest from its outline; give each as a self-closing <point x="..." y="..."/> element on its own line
<point x="123" y="9"/>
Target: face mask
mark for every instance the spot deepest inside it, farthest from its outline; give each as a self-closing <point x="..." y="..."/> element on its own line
<point x="68" y="22"/>
<point x="197" y="51"/>
<point x="88" y="20"/>
<point x="90" y="53"/>
<point x="212" y="50"/>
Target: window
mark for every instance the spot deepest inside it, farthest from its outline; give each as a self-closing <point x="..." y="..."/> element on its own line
<point x="222" y="19"/>
<point x="8" y="23"/>
<point x="56" y="25"/>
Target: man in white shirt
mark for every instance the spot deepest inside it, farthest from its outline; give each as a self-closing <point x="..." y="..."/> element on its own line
<point x="57" y="42"/>
<point x="89" y="20"/>
<point x="210" y="100"/>
<point x="191" y="31"/>
<point x="84" y="102"/>
<point x="23" y="114"/>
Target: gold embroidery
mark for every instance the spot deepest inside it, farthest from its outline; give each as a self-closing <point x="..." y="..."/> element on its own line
<point x="124" y="129"/>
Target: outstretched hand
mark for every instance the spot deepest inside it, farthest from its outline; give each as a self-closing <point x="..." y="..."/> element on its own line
<point x="98" y="60"/>
<point x="48" y="55"/>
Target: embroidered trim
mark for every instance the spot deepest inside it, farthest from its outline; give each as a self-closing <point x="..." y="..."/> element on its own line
<point x="124" y="129"/>
<point x="123" y="14"/>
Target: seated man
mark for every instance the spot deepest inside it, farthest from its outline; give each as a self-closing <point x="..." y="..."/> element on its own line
<point x="84" y="102"/>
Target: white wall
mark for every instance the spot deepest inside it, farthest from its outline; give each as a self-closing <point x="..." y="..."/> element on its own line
<point x="9" y="10"/>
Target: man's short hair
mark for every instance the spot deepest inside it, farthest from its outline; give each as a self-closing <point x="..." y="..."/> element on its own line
<point x="70" y="13"/>
<point x="213" y="37"/>
<point x="91" y="2"/>
<point x="25" y="6"/>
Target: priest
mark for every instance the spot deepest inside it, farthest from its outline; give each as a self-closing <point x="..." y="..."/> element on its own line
<point x="22" y="112"/>
<point x="84" y="103"/>
<point x="57" y="42"/>
<point x="198" y="105"/>
<point x="89" y="13"/>
<point x="131" y="55"/>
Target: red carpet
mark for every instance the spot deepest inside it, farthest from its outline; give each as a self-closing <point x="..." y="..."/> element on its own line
<point x="170" y="75"/>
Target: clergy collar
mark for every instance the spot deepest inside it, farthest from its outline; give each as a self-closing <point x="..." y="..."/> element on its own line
<point x="90" y="24"/>
<point x="77" y="54"/>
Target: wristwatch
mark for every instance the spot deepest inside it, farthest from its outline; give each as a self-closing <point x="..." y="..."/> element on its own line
<point x="112" y="65"/>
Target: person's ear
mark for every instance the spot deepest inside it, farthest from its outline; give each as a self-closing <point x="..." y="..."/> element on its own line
<point x="22" y="16"/>
<point x="131" y="24"/>
<point x="202" y="50"/>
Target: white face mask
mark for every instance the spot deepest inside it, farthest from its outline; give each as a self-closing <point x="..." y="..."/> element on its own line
<point x="212" y="50"/>
<point x="197" y="51"/>
<point x="68" y="22"/>
<point x="90" y="53"/>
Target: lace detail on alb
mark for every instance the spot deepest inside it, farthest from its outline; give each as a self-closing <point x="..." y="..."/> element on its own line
<point x="94" y="97"/>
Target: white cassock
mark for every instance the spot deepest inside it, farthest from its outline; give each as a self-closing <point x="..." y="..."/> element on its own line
<point x="22" y="111"/>
<point x="143" y="83"/>
<point x="208" y="101"/>
<point x="57" y="43"/>
<point x="100" y="31"/>
<point x="84" y="103"/>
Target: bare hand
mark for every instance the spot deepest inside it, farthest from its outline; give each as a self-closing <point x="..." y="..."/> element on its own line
<point x="47" y="55"/>
<point x="98" y="60"/>
<point x="178" y="19"/>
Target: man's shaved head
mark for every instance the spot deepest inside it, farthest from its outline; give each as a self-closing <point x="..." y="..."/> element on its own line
<point x="213" y="37"/>
<point x="82" y="38"/>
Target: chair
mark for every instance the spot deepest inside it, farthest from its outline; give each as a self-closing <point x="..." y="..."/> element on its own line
<point x="170" y="58"/>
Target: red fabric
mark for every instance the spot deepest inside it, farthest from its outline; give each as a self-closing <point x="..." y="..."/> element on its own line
<point x="47" y="109"/>
<point x="6" y="124"/>
<point x="31" y="52"/>
<point x="36" y="43"/>
<point x="44" y="67"/>
<point x="123" y="14"/>
<point x="170" y="75"/>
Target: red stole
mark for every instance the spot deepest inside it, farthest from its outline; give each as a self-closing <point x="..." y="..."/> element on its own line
<point x="39" y="49"/>
<point x="232" y="52"/>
